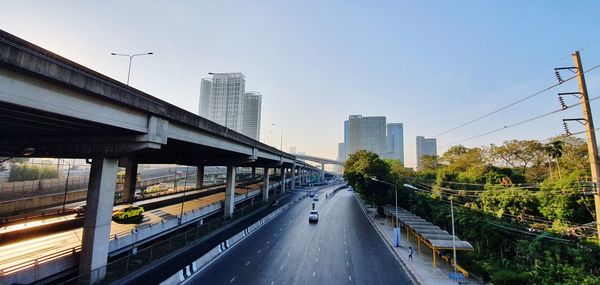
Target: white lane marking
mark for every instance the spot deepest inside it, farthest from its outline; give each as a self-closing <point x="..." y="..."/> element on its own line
<point x="258" y="252"/>
<point x="281" y="267"/>
<point x="347" y="263"/>
<point x="319" y="249"/>
<point x="268" y="242"/>
<point x="272" y="282"/>
<point x="294" y="244"/>
<point x="317" y="259"/>
<point x="349" y="278"/>
<point x="346" y="252"/>
<point x="288" y="254"/>
<point x="314" y="273"/>
<point x="232" y="279"/>
<point x="248" y="263"/>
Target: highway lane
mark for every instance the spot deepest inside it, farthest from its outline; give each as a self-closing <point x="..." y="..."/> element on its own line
<point x="29" y="249"/>
<point x="343" y="248"/>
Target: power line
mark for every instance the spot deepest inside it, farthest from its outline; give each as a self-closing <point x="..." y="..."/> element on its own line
<point x="512" y="104"/>
<point x="519" y="123"/>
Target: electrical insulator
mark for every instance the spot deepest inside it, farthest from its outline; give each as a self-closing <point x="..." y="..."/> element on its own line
<point x="566" y="128"/>
<point x="562" y="102"/>
<point x="560" y="80"/>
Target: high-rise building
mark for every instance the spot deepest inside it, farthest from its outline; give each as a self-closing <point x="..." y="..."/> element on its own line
<point x="425" y="147"/>
<point x="341" y="152"/>
<point x="395" y="141"/>
<point x="366" y="133"/>
<point x="251" y="115"/>
<point x="222" y="99"/>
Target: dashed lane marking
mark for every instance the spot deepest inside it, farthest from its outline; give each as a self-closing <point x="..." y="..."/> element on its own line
<point x="232" y="279"/>
<point x="314" y="273"/>
<point x="248" y="263"/>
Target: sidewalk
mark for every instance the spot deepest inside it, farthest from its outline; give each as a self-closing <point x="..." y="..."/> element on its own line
<point x="421" y="265"/>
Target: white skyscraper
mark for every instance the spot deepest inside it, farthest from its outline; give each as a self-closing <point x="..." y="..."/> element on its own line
<point x="222" y="99"/>
<point x="425" y="147"/>
<point x="251" y="117"/>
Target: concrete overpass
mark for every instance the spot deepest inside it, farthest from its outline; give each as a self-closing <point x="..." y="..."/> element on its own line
<point x="65" y="110"/>
<point x="320" y="160"/>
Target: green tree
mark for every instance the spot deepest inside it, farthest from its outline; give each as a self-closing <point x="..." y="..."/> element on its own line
<point x="360" y="167"/>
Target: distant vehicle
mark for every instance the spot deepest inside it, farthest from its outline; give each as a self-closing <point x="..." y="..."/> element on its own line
<point x="350" y="188"/>
<point x="312" y="194"/>
<point x="138" y="193"/>
<point x="275" y="203"/>
<point x="79" y="210"/>
<point x="128" y="212"/>
<point x="316" y="198"/>
<point x="313" y="217"/>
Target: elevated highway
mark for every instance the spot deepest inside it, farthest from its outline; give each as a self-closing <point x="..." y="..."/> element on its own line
<point x="62" y="109"/>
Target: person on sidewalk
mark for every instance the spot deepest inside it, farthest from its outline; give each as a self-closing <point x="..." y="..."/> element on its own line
<point x="410" y="252"/>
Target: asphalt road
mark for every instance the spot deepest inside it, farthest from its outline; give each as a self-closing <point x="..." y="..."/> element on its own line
<point x="13" y="253"/>
<point x="343" y="248"/>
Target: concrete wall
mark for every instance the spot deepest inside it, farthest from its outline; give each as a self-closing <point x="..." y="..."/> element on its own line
<point x="12" y="207"/>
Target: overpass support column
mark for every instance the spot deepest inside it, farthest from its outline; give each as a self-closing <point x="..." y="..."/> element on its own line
<point x="265" y="192"/>
<point x="322" y="172"/>
<point x="130" y="181"/>
<point x="283" y="182"/>
<point x="230" y="192"/>
<point x="200" y="176"/>
<point x="293" y="184"/>
<point x="97" y="221"/>
<point x="253" y="172"/>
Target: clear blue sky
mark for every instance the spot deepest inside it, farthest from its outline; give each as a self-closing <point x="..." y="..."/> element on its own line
<point x="428" y="64"/>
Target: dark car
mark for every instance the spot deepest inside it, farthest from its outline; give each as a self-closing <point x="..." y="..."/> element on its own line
<point x="79" y="210"/>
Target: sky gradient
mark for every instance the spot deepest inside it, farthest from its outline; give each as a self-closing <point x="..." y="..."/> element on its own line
<point x="431" y="65"/>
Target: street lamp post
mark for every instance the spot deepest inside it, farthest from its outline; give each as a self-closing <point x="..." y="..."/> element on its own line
<point x="397" y="222"/>
<point x="131" y="56"/>
<point x="280" y="136"/>
<point x="66" y="185"/>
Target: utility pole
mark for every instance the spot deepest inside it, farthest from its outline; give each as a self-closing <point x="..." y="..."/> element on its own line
<point x="591" y="136"/>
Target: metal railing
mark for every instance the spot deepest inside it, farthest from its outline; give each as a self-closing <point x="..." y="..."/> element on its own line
<point x="120" y="267"/>
<point x="40" y="260"/>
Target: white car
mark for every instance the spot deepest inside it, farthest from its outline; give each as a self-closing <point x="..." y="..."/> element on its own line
<point x="316" y="198"/>
<point x="313" y="217"/>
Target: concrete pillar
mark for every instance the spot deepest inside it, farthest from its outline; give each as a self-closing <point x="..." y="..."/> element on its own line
<point x="265" y="192"/>
<point x="283" y="180"/>
<point x="129" y="184"/>
<point x="200" y="176"/>
<point x="98" y="214"/>
<point x="322" y="172"/>
<point x="253" y="172"/>
<point x="293" y="186"/>
<point x="230" y="191"/>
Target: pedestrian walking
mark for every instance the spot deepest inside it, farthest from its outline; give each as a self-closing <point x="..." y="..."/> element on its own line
<point x="410" y="252"/>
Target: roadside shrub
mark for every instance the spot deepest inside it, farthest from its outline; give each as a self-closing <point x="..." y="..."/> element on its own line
<point x="506" y="277"/>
